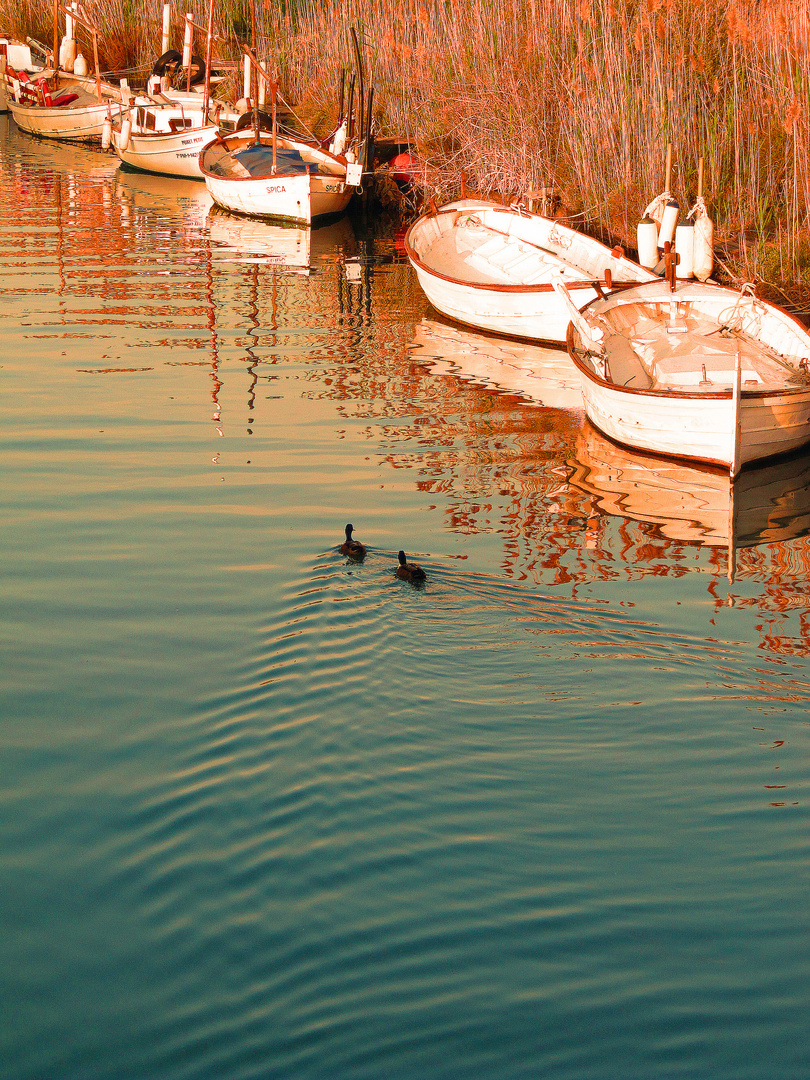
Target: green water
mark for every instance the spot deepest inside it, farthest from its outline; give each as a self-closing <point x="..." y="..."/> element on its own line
<point x="265" y="813"/>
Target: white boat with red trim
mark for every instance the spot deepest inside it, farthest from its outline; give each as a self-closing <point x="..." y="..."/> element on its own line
<point x="62" y="106"/>
<point x="492" y="267"/>
<point x="694" y="371"/>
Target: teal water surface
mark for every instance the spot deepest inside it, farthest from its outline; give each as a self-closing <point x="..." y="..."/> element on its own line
<point x="267" y="813"/>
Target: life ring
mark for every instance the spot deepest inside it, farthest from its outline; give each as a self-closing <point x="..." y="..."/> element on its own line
<point x="168" y="63"/>
<point x="197" y="66"/>
<point x="44" y="91"/>
<point x="246" y="121"/>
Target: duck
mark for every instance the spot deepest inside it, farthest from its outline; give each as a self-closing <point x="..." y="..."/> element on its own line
<point x="409" y="571"/>
<point x="353" y="548"/>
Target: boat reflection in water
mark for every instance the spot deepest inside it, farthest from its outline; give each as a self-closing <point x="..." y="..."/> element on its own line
<point x="171" y="196"/>
<point x="765" y="505"/>
<point x="672" y="502"/>
<point x="294" y="247"/>
<point x="541" y="375"/>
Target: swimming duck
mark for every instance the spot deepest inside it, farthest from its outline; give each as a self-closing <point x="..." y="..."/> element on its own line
<point x="409" y="571"/>
<point x="353" y="548"/>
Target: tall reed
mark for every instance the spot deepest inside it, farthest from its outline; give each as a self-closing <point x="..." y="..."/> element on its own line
<point x="579" y="94"/>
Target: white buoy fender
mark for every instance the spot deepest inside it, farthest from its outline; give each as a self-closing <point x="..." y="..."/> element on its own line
<point x="704" y="244"/>
<point x="106" y="133"/>
<point x="685" y="249"/>
<point x="80" y="66"/>
<point x="338" y="143"/>
<point x="668" y="222"/>
<point x="126" y="131"/>
<point x="647" y="237"/>
<point x="67" y="54"/>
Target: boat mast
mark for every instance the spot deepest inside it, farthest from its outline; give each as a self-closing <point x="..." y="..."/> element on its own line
<point x="55" y="43"/>
<point x="208" y="51"/>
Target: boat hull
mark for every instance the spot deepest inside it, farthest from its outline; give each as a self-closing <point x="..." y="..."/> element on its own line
<point x="701" y="428"/>
<point x="315" y="187"/>
<point x="82" y="124"/>
<point x="492" y="267"/>
<point x="699" y="372"/>
<point x="169" y="154"/>
<point x="298" y="199"/>
<point x="536" y="314"/>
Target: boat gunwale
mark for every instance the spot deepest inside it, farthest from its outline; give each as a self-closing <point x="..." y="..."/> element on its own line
<point x="683" y="395"/>
<point x="575" y="283"/>
<point x="222" y="140"/>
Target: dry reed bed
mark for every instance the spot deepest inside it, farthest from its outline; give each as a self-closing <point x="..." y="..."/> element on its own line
<point x="579" y="94"/>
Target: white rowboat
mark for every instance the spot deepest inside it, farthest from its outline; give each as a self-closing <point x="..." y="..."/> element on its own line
<point x="307" y="183"/>
<point x="492" y="267"/>
<point x="699" y="372"/>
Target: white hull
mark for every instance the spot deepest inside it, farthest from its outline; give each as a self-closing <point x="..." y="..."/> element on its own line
<point x="80" y="124"/>
<point x="674" y="393"/>
<point x="295" y="198"/>
<point x="701" y="428"/>
<point x="80" y="120"/>
<point x="300" y="197"/>
<point x="173" y="153"/>
<point x="492" y="267"/>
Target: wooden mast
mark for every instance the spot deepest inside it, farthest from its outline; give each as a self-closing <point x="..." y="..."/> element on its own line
<point x="55" y="43"/>
<point x="208" y="51"/>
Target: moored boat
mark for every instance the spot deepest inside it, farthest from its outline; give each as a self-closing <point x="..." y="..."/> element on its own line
<point x="696" y="371"/>
<point x="15" y="57"/>
<point x="163" y="138"/>
<point x="492" y="267"/>
<point x="59" y="105"/>
<point x="292" y="181"/>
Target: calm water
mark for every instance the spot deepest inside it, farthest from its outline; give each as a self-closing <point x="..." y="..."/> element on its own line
<point x="267" y="814"/>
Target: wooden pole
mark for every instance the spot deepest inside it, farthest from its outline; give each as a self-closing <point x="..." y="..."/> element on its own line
<point x="361" y="86"/>
<point x="208" y="51"/>
<point x="95" y="62"/>
<point x="369" y="148"/>
<point x="274" y="99"/>
<point x="188" y="49"/>
<point x="669" y="167"/>
<point x="700" y="178"/>
<point x="55" y="43"/>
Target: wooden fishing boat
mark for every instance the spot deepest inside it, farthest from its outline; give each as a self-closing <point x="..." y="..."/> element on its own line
<point x="492" y="267"/>
<point x="15" y="57"/>
<point x="163" y="138"/>
<point x="694" y="370"/>
<point x="291" y="180"/>
<point x="69" y="107"/>
<point x="165" y="135"/>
